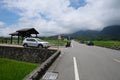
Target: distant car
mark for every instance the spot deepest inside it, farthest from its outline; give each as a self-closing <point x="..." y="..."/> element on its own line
<point x="82" y="41"/>
<point x="68" y="44"/>
<point x="35" y="42"/>
<point x="90" y="43"/>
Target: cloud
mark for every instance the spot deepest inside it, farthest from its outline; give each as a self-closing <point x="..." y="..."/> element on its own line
<point x="2" y="24"/>
<point x="57" y="16"/>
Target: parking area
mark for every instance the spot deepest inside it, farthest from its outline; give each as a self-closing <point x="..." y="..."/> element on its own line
<point x="12" y="45"/>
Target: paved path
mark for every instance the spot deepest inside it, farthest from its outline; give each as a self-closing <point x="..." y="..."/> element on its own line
<point x="82" y="62"/>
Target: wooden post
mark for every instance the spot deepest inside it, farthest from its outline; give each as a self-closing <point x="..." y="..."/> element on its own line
<point x="36" y="35"/>
<point x="22" y="38"/>
<point x="11" y="39"/>
<point x="18" y="39"/>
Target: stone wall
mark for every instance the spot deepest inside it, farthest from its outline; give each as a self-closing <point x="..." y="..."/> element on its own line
<point x="33" y="55"/>
<point x="40" y="71"/>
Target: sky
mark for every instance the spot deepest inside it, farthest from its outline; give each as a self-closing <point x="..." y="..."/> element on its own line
<point x="52" y="17"/>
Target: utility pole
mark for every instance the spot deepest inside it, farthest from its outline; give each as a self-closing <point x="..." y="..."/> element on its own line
<point x="59" y="38"/>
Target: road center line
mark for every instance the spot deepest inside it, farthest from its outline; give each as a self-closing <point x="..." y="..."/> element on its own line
<point x="76" y="69"/>
<point x="71" y="45"/>
<point x="116" y="60"/>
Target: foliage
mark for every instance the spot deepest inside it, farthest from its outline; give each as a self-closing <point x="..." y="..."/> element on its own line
<point x="50" y="40"/>
<point x="107" y="43"/>
<point x="54" y="41"/>
<point x="100" y="42"/>
<point x="14" y="70"/>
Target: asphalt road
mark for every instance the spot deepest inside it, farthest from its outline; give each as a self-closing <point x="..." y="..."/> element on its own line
<point x="82" y="62"/>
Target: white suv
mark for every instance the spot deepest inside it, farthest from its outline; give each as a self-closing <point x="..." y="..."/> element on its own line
<point x="35" y="42"/>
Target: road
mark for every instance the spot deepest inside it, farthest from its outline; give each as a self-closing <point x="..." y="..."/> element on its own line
<point x="82" y="62"/>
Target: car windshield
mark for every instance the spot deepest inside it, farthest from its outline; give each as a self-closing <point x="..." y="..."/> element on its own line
<point x="39" y="40"/>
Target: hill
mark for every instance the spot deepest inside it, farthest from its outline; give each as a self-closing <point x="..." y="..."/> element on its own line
<point x="112" y="32"/>
<point x="86" y="33"/>
<point x="109" y="32"/>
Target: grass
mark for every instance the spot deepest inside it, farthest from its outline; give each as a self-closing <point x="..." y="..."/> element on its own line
<point x="55" y="41"/>
<point x="107" y="43"/>
<point x="8" y="40"/>
<point x="52" y="41"/>
<point x="61" y="42"/>
<point x="104" y="43"/>
<point x="15" y="70"/>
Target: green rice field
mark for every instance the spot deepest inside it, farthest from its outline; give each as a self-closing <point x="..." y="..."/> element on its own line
<point x="15" y="70"/>
<point x="107" y="43"/>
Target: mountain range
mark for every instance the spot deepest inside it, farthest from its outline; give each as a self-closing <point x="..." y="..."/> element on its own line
<point x="109" y="32"/>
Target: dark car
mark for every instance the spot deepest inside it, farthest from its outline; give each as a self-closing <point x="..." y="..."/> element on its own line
<point x="82" y="42"/>
<point x="68" y="44"/>
<point x="90" y="43"/>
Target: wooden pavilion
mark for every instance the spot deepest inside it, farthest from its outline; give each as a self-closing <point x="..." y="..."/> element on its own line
<point x="23" y="33"/>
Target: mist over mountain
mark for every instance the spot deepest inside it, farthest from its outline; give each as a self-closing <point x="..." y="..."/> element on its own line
<point x="109" y="32"/>
<point x="85" y="33"/>
<point x="112" y="32"/>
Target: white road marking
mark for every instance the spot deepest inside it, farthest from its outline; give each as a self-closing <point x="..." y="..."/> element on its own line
<point x="116" y="60"/>
<point x="71" y="45"/>
<point x="76" y="69"/>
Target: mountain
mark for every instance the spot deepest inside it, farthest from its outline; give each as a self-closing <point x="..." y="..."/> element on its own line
<point x="112" y="32"/>
<point x="86" y="33"/>
<point x="109" y="32"/>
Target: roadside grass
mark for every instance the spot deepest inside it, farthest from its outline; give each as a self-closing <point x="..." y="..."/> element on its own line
<point x="8" y="40"/>
<point x="51" y="41"/>
<point x="15" y="70"/>
<point x="104" y="43"/>
<point x="107" y="43"/>
<point x="55" y="41"/>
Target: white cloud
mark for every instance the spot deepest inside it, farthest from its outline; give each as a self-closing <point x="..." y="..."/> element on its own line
<point x="61" y="18"/>
<point x="2" y="24"/>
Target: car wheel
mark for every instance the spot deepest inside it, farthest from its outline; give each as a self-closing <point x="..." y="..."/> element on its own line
<point x="40" y="46"/>
<point x="25" y="45"/>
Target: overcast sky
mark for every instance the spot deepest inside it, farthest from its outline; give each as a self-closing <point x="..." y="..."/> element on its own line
<point x="50" y="17"/>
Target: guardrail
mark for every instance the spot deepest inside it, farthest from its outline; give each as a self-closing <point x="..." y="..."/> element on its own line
<point x="38" y="72"/>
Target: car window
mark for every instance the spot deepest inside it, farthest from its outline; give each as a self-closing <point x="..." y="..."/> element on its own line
<point x="39" y="40"/>
<point x="33" y="40"/>
<point x="27" y="39"/>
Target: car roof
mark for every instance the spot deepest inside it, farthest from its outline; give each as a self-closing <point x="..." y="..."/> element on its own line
<point x="31" y="38"/>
